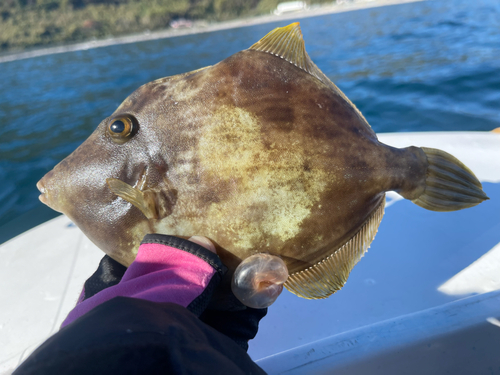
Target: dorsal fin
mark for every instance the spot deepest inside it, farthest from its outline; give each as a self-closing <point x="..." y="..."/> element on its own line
<point x="287" y="43"/>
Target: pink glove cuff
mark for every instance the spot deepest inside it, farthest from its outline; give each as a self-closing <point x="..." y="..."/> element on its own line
<point x="160" y="273"/>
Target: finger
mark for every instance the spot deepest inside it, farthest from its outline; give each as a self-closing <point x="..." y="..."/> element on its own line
<point x="205" y="242"/>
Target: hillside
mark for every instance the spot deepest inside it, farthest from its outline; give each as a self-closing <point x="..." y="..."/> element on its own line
<point x="35" y="23"/>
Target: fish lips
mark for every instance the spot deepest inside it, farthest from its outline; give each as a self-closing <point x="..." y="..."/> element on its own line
<point x="44" y="197"/>
<point x="41" y="189"/>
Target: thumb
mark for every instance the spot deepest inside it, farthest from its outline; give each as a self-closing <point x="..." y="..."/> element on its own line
<point x="203" y="241"/>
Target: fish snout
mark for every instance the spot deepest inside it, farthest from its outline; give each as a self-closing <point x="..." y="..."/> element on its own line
<point x="47" y="193"/>
<point x="41" y="189"/>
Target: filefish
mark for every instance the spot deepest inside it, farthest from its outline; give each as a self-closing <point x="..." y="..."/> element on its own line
<point x="262" y="154"/>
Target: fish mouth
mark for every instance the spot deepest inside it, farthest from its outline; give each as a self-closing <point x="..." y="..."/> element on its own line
<point x="44" y="197"/>
<point x="43" y="190"/>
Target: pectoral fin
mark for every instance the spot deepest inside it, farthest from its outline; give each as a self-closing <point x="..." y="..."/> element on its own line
<point x="154" y="203"/>
<point x="134" y="196"/>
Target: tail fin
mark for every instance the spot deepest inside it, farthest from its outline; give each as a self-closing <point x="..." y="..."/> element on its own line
<point x="450" y="185"/>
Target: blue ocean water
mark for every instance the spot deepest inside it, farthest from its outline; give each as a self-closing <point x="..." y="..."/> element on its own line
<point x="424" y="66"/>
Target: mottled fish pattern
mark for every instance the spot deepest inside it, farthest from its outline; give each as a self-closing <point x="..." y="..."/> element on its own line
<point x="261" y="153"/>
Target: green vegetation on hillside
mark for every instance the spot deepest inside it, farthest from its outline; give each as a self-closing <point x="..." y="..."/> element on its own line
<point x="35" y="23"/>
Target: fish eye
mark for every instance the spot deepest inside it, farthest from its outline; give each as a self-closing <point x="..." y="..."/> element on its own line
<point x="122" y="128"/>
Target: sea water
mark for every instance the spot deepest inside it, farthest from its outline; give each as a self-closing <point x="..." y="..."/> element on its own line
<point x="423" y="66"/>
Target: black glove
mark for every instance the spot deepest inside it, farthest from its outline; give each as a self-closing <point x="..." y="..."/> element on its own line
<point x="224" y="313"/>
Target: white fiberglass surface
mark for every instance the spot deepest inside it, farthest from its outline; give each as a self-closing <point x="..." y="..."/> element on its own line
<point x="460" y="337"/>
<point x="42" y="274"/>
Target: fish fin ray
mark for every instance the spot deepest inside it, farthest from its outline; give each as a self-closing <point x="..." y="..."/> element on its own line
<point x="133" y="196"/>
<point x="329" y="275"/>
<point x="287" y="42"/>
<point x="449" y="185"/>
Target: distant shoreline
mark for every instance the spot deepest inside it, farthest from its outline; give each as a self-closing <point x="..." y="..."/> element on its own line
<point x="202" y="27"/>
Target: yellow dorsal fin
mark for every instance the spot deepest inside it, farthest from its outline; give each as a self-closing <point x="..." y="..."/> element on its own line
<point x="287" y="43"/>
<point x="328" y="276"/>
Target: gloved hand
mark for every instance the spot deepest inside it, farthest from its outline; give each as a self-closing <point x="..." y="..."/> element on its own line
<point x="147" y="319"/>
<point x="221" y="310"/>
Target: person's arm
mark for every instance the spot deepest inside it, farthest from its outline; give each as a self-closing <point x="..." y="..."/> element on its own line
<point x="148" y="322"/>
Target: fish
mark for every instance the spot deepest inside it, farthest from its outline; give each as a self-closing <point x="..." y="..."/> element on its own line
<point x="262" y="154"/>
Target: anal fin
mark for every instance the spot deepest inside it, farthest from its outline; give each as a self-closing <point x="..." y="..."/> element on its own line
<point x="329" y="275"/>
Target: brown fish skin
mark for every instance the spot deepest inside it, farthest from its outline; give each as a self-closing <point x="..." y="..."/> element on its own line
<point x="262" y="156"/>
